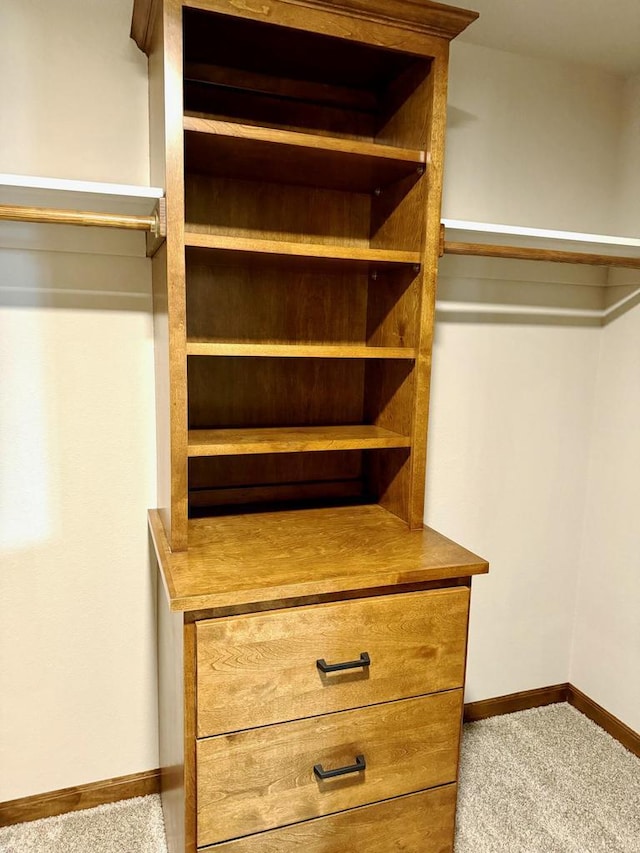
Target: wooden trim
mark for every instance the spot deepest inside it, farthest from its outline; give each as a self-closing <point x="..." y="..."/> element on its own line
<point x="79" y="797"/>
<point x="615" y="727"/>
<point x="542" y="696"/>
<point x="419" y="16"/>
<point x="434" y="19"/>
<point x="142" y="784"/>
<point x="513" y="702"/>
<point x="522" y="253"/>
<point x="144" y="14"/>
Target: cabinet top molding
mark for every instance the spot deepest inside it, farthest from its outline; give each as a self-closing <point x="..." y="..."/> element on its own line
<point x="421" y="16"/>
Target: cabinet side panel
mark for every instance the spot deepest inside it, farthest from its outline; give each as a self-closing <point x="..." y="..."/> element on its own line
<point x="163" y="406"/>
<point x="415" y="114"/>
<point x="171" y="722"/>
<point x="165" y="134"/>
<point x="436" y="136"/>
<point x="398" y="219"/>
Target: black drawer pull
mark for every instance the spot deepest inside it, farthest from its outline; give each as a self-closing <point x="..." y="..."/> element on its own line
<point x="358" y="767"/>
<point x="363" y="660"/>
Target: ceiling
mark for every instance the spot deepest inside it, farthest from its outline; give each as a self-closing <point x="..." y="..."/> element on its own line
<point x="604" y="33"/>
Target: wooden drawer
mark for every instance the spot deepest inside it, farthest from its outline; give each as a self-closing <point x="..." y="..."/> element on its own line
<point x="418" y="823"/>
<point x="260" y="669"/>
<point x="261" y="779"/>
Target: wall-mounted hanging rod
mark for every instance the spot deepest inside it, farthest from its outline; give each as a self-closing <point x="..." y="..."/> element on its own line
<point x="153" y="223"/>
<point x="485" y="250"/>
<point x="528" y="253"/>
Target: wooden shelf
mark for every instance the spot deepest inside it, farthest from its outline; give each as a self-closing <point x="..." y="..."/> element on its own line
<point x="251" y="251"/>
<point x="208" y="348"/>
<point x="251" y="558"/>
<point x="265" y="154"/>
<point x="482" y="239"/>
<point x="231" y="442"/>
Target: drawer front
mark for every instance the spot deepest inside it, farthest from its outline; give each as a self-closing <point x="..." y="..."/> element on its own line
<point x="260" y="669"/>
<point x="261" y="779"/>
<point x="418" y="823"/>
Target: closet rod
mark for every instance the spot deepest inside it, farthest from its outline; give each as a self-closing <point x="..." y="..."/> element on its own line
<point x="485" y="250"/>
<point x="152" y="223"/>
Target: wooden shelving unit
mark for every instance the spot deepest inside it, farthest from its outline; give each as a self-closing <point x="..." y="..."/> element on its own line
<point x="301" y="145"/>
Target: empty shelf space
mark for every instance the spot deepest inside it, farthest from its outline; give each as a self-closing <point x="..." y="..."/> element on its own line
<point x="239" y="150"/>
<point x="230" y="442"/>
<point x="210" y="348"/>
<point x="254" y="251"/>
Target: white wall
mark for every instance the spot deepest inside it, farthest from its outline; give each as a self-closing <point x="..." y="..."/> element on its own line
<point x="530" y="141"/>
<point x="77" y="459"/>
<point x="513" y="399"/>
<point x="74" y="91"/>
<point x="514" y="394"/>
<point x="606" y="648"/>
<point x="511" y="402"/>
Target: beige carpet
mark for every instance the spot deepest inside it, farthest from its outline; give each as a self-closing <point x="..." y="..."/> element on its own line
<point x="543" y="781"/>
<point x="547" y="781"/>
<point x="131" y="826"/>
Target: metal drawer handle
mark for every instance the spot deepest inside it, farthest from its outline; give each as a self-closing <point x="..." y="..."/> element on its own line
<point x="363" y="660"/>
<point x="358" y="767"/>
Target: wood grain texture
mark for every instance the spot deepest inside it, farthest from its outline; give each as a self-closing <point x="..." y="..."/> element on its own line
<point x="305" y="601"/>
<point x="399" y="221"/>
<point x="248" y="558"/>
<point x="143" y="21"/>
<point x="629" y="738"/>
<point x="208" y="501"/>
<point x="165" y="139"/>
<point x="266" y="210"/>
<point x="233" y="442"/>
<point x="297" y="304"/>
<point x="171" y="718"/>
<point x="509" y="704"/>
<point x="264" y="81"/>
<point x="260" y="779"/>
<point x="261" y="669"/>
<point x="83" y="218"/>
<point x="255" y="247"/>
<point x="405" y="25"/>
<point x="206" y="348"/>
<point x="485" y="250"/>
<point x="258" y="108"/>
<point x="52" y="803"/>
<point x="236" y="150"/>
<point x="436" y="128"/>
<point x="189" y="732"/>
<point x="417" y="823"/>
<point x="162" y="385"/>
<point x="274" y="392"/>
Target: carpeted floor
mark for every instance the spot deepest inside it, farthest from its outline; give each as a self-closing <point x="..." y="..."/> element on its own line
<point x="546" y="781"/>
<point x="130" y="826"/>
<point x="542" y="781"/>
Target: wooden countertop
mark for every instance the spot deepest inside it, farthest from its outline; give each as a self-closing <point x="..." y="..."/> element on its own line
<point x="240" y="560"/>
